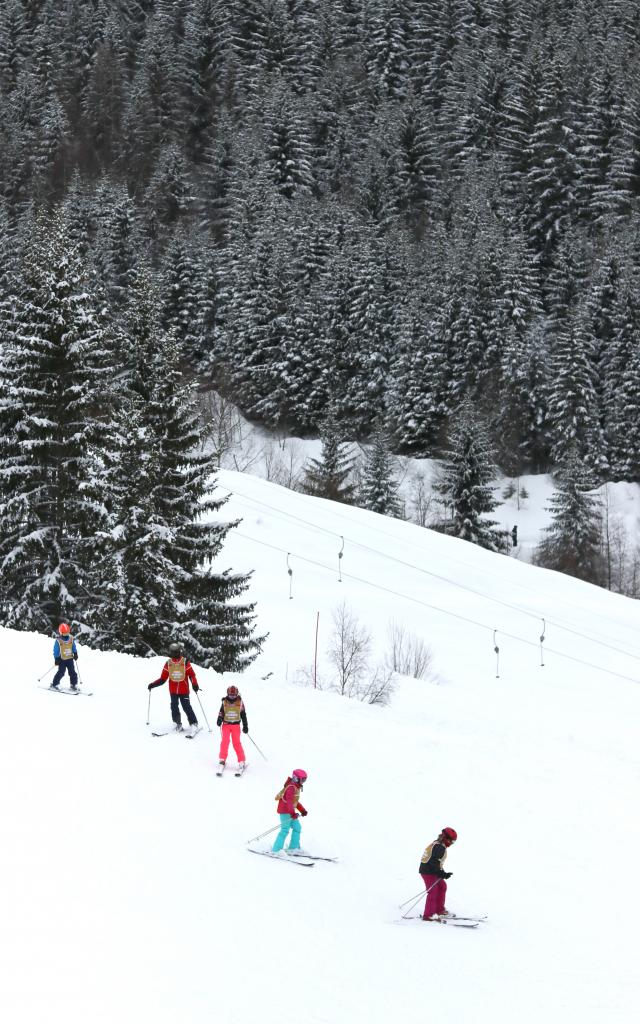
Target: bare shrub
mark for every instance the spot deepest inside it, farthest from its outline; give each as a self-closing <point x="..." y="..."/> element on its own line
<point x="305" y="676"/>
<point x="349" y="650"/>
<point x="408" y="654"/>
<point x="349" y="654"/>
<point x="226" y="434"/>
<point x="283" y="463"/>
<point x="421" y="500"/>
<point x="378" y="689"/>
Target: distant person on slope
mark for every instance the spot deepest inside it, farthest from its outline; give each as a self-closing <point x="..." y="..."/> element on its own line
<point x="179" y="672"/>
<point x="434" y="875"/>
<point x="289" y="808"/>
<point x="232" y="712"/>
<point x="65" y="653"/>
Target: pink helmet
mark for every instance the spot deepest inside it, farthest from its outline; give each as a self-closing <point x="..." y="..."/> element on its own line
<point x="299" y="775"/>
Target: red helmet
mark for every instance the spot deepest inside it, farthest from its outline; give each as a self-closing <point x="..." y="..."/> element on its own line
<point x="233" y="692"/>
<point x="63" y="629"/>
<point x="299" y="775"/>
<point x="450" y="834"/>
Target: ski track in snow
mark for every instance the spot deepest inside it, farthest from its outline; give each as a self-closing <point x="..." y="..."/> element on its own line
<point x="127" y="893"/>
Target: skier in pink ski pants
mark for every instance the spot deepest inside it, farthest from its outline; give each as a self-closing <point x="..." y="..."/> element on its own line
<point x="232" y="712"/>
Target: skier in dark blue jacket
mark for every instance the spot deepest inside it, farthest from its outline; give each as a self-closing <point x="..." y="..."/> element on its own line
<point x="65" y="654"/>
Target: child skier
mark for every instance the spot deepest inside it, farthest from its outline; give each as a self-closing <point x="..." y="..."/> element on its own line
<point x="232" y="712"/>
<point x="434" y="876"/>
<point x="180" y="673"/>
<point x="65" y="653"/>
<point x="288" y="807"/>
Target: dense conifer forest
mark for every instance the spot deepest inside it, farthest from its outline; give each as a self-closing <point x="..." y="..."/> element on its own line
<point x="394" y="204"/>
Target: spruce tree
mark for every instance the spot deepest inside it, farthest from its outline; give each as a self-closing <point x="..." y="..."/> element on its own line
<point x="464" y="487"/>
<point x="572" y="541"/>
<point x="379" y="489"/>
<point x="57" y="353"/>
<point x="170" y="509"/>
<point x="327" y="476"/>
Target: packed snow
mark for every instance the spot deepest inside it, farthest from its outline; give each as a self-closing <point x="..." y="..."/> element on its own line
<point x="128" y="892"/>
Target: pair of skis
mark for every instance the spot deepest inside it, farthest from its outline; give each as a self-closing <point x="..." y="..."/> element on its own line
<point x="304" y="860"/>
<point x="68" y="690"/>
<point x="454" y="920"/>
<point x="187" y="735"/>
<point x="240" y="770"/>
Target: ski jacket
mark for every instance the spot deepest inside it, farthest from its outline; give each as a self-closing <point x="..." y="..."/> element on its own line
<point x="289" y="798"/>
<point x="65" y="649"/>
<point x="433" y="858"/>
<point x="232" y="712"/>
<point x="180" y="673"/>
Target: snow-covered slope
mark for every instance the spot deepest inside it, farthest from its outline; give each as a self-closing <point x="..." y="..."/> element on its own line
<point x="127" y="891"/>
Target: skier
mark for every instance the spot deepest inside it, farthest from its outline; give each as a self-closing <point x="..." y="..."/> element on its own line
<point x="65" y="653"/>
<point x="179" y="672"/>
<point x="232" y="712"/>
<point x="289" y="808"/>
<point x="434" y="876"/>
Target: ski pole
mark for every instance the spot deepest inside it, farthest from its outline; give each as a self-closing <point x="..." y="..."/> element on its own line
<point x="149" y="708"/>
<point x="257" y="748"/>
<point x="414" y="899"/>
<point x="45" y="674"/>
<point x="412" y="905"/>
<point x="411" y="899"/>
<point x="263" y="834"/>
<point x="202" y="709"/>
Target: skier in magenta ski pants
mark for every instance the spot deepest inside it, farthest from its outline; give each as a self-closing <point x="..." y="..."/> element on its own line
<point x="434" y="875"/>
<point x="288" y="807"/>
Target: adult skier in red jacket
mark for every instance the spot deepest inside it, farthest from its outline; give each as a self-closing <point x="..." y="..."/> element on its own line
<point x="434" y="875"/>
<point x="180" y="673"/>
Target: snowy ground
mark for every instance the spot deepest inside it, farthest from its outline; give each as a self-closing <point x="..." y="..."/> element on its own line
<point x="128" y="894"/>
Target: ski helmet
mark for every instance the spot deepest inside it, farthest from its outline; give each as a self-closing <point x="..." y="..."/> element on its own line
<point x="175" y="650"/>
<point x="233" y="692"/>
<point x="450" y="834"/>
<point x="63" y="629"/>
<point x="299" y="775"/>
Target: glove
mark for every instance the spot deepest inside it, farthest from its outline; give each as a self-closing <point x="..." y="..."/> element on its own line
<point x="150" y="686"/>
<point x="75" y="657"/>
<point x="304" y="813"/>
<point x="294" y="816"/>
<point x="58" y="661"/>
<point x="219" y="722"/>
<point x="447" y="874"/>
<point x="195" y="687"/>
<point x="245" y="728"/>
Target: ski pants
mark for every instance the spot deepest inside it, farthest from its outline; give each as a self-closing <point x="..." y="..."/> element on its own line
<point x="66" y="666"/>
<point x="436" y="892"/>
<point x="231" y="732"/>
<point x="186" y="707"/>
<point x="286" y="823"/>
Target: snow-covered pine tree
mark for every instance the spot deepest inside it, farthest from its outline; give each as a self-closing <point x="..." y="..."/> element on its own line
<point x="572" y="541"/>
<point x="463" y="487"/>
<point x="167" y="512"/>
<point x="57" y="357"/>
<point x="379" y="488"/>
<point x="327" y="477"/>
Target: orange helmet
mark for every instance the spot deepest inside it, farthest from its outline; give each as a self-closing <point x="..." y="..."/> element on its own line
<point x="63" y="629"/>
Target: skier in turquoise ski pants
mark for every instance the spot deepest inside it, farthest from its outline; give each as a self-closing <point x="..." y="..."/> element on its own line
<point x="288" y="824"/>
<point x="288" y="807"/>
